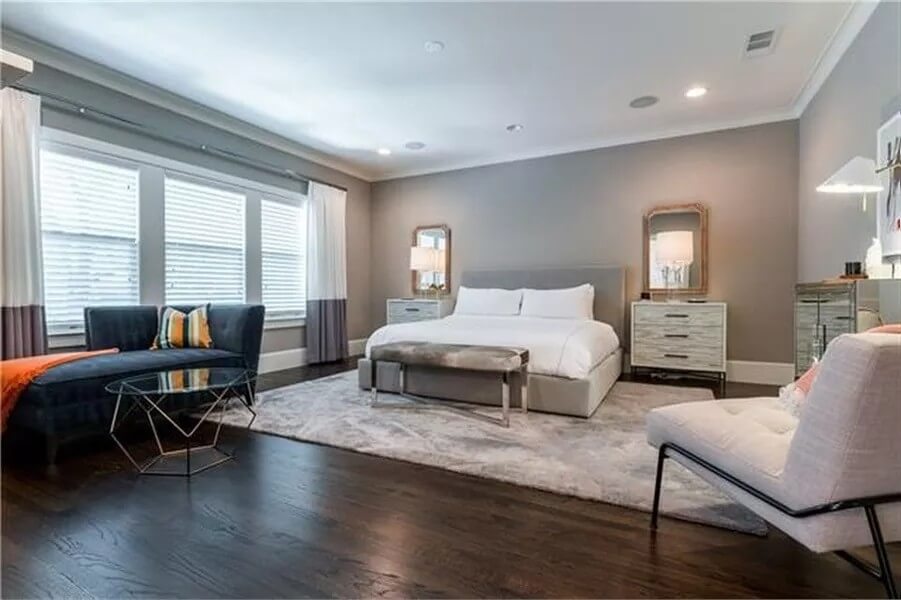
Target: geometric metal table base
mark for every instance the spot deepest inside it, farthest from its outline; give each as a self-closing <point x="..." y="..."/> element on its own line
<point x="191" y="459"/>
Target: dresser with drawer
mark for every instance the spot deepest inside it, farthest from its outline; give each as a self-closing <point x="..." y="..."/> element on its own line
<point x="408" y="310"/>
<point x="679" y="335"/>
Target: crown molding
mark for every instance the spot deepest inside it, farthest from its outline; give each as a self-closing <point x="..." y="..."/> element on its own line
<point x="857" y="15"/>
<point x="95" y="73"/>
<point x="844" y="35"/>
<point x="598" y="144"/>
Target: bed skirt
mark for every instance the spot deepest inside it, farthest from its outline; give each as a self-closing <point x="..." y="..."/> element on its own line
<point x="574" y="397"/>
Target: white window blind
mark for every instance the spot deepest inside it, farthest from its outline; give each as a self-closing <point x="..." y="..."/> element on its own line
<point x="283" y="235"/>
<point x="204" y="243"/>
<point x="89" y="225"/>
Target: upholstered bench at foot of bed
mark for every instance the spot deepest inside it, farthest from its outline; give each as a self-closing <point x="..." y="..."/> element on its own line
<point x="510" y="364"/>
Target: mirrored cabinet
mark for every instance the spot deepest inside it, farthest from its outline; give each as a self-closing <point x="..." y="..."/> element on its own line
<point x="824" y="311"/>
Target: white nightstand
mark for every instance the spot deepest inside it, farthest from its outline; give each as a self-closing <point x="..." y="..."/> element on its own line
<point x="680" y="335"/>
<point x="408" y="310"/>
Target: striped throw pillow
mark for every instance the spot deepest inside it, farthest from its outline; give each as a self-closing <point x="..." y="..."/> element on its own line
<point x="180" y="330"/>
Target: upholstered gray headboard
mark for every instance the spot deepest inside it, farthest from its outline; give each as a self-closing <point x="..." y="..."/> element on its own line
<point x="609" y="286"/>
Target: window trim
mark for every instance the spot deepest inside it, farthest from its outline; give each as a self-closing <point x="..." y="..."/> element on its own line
<point x="63" y="141"/>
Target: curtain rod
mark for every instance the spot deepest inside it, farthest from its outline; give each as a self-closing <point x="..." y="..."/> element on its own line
<point x="102" y="116"/>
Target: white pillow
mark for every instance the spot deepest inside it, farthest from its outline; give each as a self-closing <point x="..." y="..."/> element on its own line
<point x="487" y="301"/>
<point x="568" y="303"/>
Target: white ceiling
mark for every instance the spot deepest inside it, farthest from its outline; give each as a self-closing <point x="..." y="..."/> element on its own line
<point x="347" y="78"/>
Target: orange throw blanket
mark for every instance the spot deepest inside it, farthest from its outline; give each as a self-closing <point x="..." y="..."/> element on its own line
<point x="17" y="373"/>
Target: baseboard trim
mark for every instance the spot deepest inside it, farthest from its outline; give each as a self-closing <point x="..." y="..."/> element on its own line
<point x="769" y="373"/>
<point x="742" y="371"/>
<point x="749" y="371"/>
<point x="297" y="357"/>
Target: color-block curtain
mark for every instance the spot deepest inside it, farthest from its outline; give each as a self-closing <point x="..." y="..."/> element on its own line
<point x="326" y="274"/>
<point x="22" y="327"/>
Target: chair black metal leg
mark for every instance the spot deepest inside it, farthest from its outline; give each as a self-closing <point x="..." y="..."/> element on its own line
<point x="655" y="509"/>
<point x="885" y="567"/>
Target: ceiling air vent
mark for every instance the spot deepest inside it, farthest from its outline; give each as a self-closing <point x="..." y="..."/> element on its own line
<point x="760" y="43"/>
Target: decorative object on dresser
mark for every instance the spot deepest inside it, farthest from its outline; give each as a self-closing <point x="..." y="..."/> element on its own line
<point x="408" y="310"/>
<point x="430" y="259"/>
<point x="508" y="364"/>
<point x="675" y="250"/>
<point x="825" y="310"/>
<point x="684" y="336"/>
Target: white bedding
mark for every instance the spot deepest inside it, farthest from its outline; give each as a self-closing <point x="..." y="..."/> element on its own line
<point x="557" y="347"/>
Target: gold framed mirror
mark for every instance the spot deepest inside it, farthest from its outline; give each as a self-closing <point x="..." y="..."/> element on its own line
<point x="674" y="260"/>
<point x="430" y="259"/>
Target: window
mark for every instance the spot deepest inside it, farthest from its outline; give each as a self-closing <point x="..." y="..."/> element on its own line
<point x="89" y="226"/>
<point x="283" y="244"/>
<point x="204" y="243"/>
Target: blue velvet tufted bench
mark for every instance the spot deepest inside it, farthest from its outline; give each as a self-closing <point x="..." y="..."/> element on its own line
<point x="69" y="400"/>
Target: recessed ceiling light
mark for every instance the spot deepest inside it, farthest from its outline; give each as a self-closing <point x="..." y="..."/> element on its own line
<point x="414" y="145"/>
<point x="695" y="91"/>
<point x="514" y="127"/>
<point x="644" y="101"/>
<point x="434" y="46"/>
<point x="384" y="151"/>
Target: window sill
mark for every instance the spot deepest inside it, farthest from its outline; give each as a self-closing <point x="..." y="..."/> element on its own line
<point x="283" y="324"/>
<point x="56" y="341"/>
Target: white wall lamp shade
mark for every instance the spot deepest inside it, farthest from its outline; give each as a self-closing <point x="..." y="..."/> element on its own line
<point x="426" y="259"/>
<point x="858" y="176"/>
<point x="675" y="247"/>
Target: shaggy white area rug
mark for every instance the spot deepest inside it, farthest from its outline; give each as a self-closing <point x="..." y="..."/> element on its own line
<point x="605" y="458"/>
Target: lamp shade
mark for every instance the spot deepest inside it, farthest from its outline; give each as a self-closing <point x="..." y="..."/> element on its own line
<point x="675" y="247"/>
<point x="426" y="259"/>
<point x="858" y="176"/>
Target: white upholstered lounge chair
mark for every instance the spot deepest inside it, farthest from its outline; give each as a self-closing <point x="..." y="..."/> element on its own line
<point x="830" y="479"/>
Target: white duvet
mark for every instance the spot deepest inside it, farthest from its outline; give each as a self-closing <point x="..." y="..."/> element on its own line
<point x="557" y="347"/>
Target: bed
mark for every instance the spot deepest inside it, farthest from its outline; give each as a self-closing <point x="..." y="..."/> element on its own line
<point x="573" y="364"/>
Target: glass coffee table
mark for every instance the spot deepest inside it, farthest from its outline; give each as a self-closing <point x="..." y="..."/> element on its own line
<point x="164" y="393"/>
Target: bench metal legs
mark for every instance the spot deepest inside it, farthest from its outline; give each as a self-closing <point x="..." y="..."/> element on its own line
<point x="503" y="421"/>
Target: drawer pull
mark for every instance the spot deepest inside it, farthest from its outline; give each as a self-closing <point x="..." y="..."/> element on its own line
<point x="842" y="318"/>
<point x="812" y="300"/>
<point x="676" y="315"/>
<point x="675" y="335"/>
<point x="667" y="355"/>
<point x="411" y="309"/>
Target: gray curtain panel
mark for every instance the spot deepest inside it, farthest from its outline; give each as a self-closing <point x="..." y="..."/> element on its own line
<point x="326" y="330"/>
<point x="326" y="274"/>
<point x="22" y="331"/>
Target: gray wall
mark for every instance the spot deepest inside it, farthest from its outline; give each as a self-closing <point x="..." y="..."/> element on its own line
<point x="587" y="208"/>
<point x="50" y="80"/>
<point x="841" y="121"/>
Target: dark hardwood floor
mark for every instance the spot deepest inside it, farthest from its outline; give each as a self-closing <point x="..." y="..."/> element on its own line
<point x="289" y="519"/>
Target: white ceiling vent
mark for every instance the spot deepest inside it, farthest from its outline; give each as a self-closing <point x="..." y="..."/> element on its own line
<point x="761" y="43"/>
